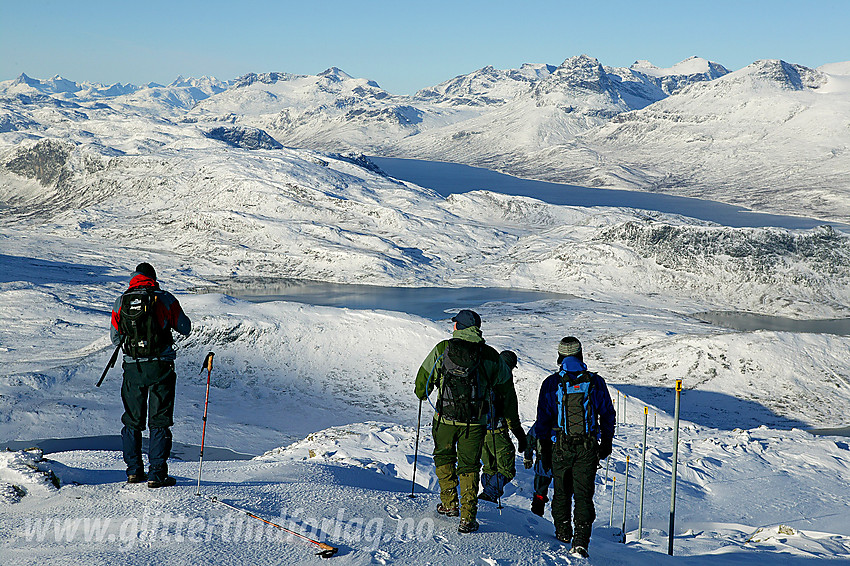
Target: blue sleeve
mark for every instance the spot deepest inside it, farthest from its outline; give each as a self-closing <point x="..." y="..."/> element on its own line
<point x="547" y="411"/>
<point x="604" y="408"/>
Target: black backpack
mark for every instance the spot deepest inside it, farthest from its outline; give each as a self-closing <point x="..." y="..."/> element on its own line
<point x="461" y="393"/>
<point x="143" y="337"/>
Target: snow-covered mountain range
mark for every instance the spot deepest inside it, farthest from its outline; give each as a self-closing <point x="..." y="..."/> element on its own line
<point x="771" y="136"/>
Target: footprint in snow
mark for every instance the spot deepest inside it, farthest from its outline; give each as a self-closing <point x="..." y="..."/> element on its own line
<point x="440" y="538"/>
<point x="392" y="512"/>
<point x="381" y="557"/>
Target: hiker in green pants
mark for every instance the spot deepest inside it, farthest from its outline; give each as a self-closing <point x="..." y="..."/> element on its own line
<point x="499" y="456"/>
<point x="463" y="370"/>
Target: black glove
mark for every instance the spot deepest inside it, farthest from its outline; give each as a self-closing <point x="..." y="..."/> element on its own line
<point x="521" y="441"/>
<point x="605" y="447"/>
<point x="527" y="462"/>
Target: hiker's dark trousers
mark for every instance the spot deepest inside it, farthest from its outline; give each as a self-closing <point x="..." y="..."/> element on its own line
<point x="574" y="474"/>
<point x="148" y="395"/>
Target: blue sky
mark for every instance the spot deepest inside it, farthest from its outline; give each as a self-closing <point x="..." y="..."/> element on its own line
<point x="403" y="45"/>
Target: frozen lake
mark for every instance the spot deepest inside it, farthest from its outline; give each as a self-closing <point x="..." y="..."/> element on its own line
<point x="749" y="322"/>
<point x="452" y="178"/>
<point x="427" y="302"/>
<point x="434" y="302"/>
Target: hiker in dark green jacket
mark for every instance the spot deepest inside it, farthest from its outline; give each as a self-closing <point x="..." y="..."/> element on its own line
<point x="463" y="370"/>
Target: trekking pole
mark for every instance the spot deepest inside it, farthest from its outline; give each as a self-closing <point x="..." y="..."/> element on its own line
<point x="625" y="499"/>
<point x="208" y="364"/>
<point x="326" y="550"/>
<point x="607" y="465"/>
<point x="619" y="414"/>
<point x="110" y="365"/>
<point x="675" y="462"/>
<point x="496" y="459"/>
<point x="642" y="475"/>
<point x="416" y="450"/>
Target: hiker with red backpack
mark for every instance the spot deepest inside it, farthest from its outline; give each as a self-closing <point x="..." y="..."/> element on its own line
<point x="575" y="411"/>
<point x="463" y="370"/>
<point x="142" y="320"/>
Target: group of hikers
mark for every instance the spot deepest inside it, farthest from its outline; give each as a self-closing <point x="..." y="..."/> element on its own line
<point x="476" y="408"/>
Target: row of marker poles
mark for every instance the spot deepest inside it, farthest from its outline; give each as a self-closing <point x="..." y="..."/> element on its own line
<point x="643" y="473"/>
<point x="624" y="414"/>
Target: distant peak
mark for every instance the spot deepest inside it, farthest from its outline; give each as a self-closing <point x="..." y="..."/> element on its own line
<point x="693" y="65"/>
<point x="26" y="80"/>
<point x="335" y="72"/>
<point x="787" y="75"/>
<point x="580" y="61"/>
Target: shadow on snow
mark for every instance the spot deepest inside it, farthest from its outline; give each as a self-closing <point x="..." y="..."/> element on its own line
<point x="705" y="408"/>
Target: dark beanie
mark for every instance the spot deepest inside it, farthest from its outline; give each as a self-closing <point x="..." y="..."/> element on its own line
<point x="569" y="346"/>
<point x="466" y="318"/>
<point x="147" y="270"/>
<point x="509" y="358"/>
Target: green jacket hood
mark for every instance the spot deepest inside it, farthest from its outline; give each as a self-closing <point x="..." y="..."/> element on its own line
<point x="469" y="334"/>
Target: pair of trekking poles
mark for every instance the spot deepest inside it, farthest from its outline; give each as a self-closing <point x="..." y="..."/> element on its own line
<point x="325" y="550"/>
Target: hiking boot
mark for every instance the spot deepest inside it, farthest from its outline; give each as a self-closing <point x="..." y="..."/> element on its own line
<point x="579" y="551"/>
<point x="468" y="526"/>
<point x="447" y="511"/>
<point x="564" y="534"/>
<point x="538" y="505"/>
<point x="167" y="482"/>
<point x="137" y="478"/>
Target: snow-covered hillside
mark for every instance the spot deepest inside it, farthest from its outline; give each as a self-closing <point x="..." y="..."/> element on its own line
<point x="772" y="136"/>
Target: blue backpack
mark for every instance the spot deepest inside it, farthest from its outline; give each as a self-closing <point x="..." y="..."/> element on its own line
<point x="576" y="415"/>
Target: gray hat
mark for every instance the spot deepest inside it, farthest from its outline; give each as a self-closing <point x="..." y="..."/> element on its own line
<point x="569" y="346"/>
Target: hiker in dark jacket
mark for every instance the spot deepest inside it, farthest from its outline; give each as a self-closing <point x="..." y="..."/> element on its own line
<point x="464" y="370"/>
<point x="581" y="438"/>
<point x="149" y="376"/>
<point x="498" y="454"/>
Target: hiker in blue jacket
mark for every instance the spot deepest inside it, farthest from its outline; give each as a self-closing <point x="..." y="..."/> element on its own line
<point x="575" y="411"/>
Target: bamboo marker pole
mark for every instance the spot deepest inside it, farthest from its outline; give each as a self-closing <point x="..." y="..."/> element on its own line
<point x="642" y="474"/>
<point x="613" y="489"/>
<point x="675" y="461"/>
<point x="625" y="498"/>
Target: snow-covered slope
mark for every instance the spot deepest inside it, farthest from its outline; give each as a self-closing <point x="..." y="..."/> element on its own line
<point x="577" y="95"/>
<point x="486" y="86"/>
<point x="331" y="110"/>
